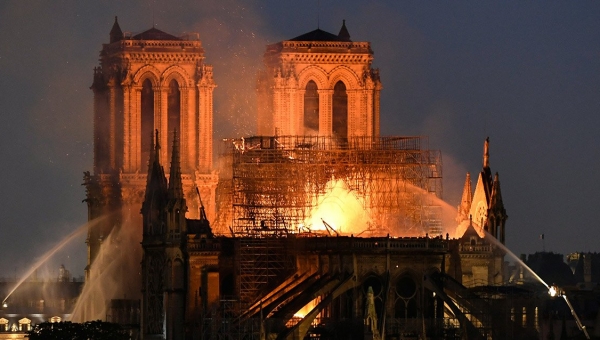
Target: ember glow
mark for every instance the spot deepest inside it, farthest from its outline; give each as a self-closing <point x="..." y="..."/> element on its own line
<point x="306" y="309"/>
<point x="340" y="208"/>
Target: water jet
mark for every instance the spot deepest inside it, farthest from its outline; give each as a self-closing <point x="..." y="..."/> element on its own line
<point x="77" y="232"/>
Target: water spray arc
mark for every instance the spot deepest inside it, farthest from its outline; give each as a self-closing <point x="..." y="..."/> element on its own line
<point x="114" y="273"/>
<point x="76" y="233"/>
<point x="553" y="290"/>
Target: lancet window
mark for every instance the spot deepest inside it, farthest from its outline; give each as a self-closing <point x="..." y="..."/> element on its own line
<point x="311" y="108"/>
<point x="340" y="112"/>
<point x="147" y="115"/>
<point x="173" y="112"/>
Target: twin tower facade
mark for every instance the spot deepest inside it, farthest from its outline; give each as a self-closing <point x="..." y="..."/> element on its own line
<point x="315" y="84"/>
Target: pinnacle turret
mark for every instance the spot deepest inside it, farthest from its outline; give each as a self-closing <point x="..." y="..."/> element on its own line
<point x="176" y="206"/>
<point x="486" y="153"/>
<point x="486" y="172"/>
<point x="156" y="191"/>
<point x="496" y="196"/>
<point x="115" y="33"/>
<point x="344" y="34"/>
<point x="465" y="203"/>
<point x="175" y="182"/>
<point x="497" y="211"/>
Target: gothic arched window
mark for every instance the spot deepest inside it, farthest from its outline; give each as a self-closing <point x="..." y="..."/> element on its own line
<point x="406" y="298"/>
<point x="340" y="113"/>
<point x="173" y="112"/>
<point x="311" y="108"/>
<point x="147" y="113"/>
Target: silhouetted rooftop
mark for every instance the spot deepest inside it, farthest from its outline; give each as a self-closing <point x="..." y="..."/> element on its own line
<point x="154" y="34"/>
<point x="320" y="35"/>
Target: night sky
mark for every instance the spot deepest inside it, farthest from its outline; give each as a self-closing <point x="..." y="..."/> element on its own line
<point x="526" y="74"/>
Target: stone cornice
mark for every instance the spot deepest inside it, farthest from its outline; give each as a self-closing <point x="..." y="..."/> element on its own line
<point x="318" y="46"/>
<point x="163" y="57"/>
<point x="184" y="45"/>
<point x="327" y="58"/>
<point x="155" y="51"/>
<point x="193" y="254"/>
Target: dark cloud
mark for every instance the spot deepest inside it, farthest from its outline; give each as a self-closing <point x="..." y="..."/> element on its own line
<point x="525" y="74"/>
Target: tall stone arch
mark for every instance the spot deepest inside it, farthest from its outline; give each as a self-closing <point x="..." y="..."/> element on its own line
<point x="324" y="58"/>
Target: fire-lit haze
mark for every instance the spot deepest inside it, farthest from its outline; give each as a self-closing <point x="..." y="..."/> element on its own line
<point x="523" y="73"/>
<point x="340" y="208"/>
<point x="342" y="211"/>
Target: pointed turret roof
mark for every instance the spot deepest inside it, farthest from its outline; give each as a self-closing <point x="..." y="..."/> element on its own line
<point x="344" y="34"/>
<point x="485" y="179"/>
<point x="156" y="182"/>
<point x="470" y="230"/>
<point x="486" y="153"/>
<point x="466" y="201"/>
<point x="496" y="204"/>
<point x="115" y="33"/>
<point x="175" y="182"/>
<point x="486" y="172"/>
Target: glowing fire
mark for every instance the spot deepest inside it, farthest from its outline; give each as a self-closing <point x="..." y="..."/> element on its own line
<point x="339" y="208"/>
<point x="306" y="309"/>
<point x="342" y="211"/>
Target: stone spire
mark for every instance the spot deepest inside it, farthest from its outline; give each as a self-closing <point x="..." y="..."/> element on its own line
<point x="344" y="34"/>
<point x="156" y="179"/>
<point x="156" y="192"/>
<point x="497" y="212"/>
<point x="115" y="33"/>
<point x="175" y="182"/>
<point x="371" y="314"/>
<point x="176" y="207"/>
<point x="496" y="196"/>
<point x="486" y="153"/>
<point x="465" y="203"/>
<point x="486" y="172"/>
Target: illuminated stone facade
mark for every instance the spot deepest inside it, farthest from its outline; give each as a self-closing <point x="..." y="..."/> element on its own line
<point x="195" y="284"/>
<point x="486" y="207"/>
<point x="481" y="212"/>
<point x="179" y="262"/>
<point x="319" y="84"/>
<point x="146" y="82"/>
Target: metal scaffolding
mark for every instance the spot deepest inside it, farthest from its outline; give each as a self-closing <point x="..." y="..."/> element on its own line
<point x="277" y="181"/>
<point x="262" y="263"/>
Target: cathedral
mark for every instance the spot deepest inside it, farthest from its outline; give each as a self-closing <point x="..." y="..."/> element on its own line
<point x="146" y="82"/>
<point x="268" y="273"/>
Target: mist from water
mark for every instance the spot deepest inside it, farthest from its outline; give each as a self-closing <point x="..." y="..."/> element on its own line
<point x="48" y="255"/>
<point x="115" y="273"/>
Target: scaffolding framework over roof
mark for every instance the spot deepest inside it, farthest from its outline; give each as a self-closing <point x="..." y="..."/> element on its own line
<point x="277" y="181"/>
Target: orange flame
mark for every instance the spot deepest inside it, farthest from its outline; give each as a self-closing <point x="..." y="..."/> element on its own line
<point x="340" y="208"/>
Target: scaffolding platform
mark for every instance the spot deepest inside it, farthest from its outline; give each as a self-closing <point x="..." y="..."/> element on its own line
<point x="277" y="181"/>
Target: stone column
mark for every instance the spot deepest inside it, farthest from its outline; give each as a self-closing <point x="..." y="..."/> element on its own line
<point x="325" y="112"/>
<point x="127" y="126"/>
<point x="205" y="122"/>
<point x="161" y="122"/>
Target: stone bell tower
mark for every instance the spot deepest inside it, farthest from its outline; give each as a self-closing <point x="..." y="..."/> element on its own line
<point x="146" y="82"/>
<point x="320" y="84"/>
